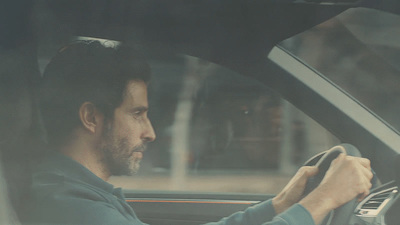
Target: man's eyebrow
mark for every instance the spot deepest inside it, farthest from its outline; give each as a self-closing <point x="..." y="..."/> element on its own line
<point x="140" y="108"/>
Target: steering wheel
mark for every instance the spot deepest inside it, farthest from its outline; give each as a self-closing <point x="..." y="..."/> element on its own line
<point x="323" y="160"/>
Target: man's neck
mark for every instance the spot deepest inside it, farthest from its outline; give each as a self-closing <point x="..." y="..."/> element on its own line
<point x="87" y="156"/>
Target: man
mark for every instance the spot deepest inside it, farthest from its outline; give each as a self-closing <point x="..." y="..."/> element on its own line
<point x="94" y="106"/>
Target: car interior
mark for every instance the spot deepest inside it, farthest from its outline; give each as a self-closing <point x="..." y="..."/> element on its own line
<point x="236" y="70"/>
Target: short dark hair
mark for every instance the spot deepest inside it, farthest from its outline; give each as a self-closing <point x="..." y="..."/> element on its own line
<point x="86" y="71"/>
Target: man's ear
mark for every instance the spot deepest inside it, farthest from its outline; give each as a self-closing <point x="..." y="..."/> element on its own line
<point x="90" y="117"/>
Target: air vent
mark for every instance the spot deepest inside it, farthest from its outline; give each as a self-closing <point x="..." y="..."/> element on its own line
<point x="376" y="203"/>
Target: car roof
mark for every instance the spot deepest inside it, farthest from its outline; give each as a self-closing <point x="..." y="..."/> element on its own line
<point x="233" y="33"/>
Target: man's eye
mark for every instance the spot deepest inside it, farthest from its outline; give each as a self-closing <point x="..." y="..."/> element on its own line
<point x="138" y="113"/>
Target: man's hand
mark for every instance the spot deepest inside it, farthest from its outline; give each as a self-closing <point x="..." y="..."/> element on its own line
<point x="347" y="178"/>
<point x="293" y="191"/>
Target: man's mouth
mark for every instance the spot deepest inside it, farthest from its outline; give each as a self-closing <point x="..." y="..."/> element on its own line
<point x="137" y="154"/>
<point x="140" y="148"/>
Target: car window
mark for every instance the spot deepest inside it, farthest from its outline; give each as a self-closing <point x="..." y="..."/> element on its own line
<point x="216" y="128"/>
<point x="359" y="51"/>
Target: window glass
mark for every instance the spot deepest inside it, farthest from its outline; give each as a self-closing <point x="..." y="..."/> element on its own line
<point x="358" y="50"/>
<point x="216" y="129"/>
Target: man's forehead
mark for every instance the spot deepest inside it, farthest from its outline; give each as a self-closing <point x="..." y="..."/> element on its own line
<point x="136" y="93"/>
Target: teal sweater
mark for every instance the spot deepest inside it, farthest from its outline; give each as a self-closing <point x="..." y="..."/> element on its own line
<point x="65" y="192"/>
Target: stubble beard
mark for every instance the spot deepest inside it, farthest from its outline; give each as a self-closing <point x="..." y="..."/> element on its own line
<point x="118" y="157"/>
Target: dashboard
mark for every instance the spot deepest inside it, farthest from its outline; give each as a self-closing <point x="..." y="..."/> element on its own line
<point x="375" y="207"/>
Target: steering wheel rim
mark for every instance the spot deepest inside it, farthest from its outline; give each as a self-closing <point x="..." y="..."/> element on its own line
<point x="340" y="215"/>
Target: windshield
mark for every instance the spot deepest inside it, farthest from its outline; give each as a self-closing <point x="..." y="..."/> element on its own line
<point x="359" y="51"/>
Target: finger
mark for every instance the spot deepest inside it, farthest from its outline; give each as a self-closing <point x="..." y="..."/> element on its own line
<point x="363" y="184"/>
<point x="367" y="173"/>
<point x="365" y="193"/>
<point x="365" y="189"/>
<point x="366" y="176"/>
<point x="341" y="156"/>
<point x="307" y="171"/>
<point x="365" y="162"/>
<point x="367" y="183"/>
<point x="338" y="159"/>
<point x="311" y="171"/>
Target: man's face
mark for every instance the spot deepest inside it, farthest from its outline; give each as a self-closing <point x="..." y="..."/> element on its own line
<point x="124" y="139"/>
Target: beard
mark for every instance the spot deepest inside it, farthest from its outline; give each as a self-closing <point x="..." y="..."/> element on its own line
<point x="118" y="157"/>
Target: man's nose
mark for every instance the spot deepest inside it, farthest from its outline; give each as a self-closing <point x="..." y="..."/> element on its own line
<point x="149" y="135"/>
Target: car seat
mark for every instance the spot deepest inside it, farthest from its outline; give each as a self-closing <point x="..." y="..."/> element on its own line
<point x="21" y="136"/>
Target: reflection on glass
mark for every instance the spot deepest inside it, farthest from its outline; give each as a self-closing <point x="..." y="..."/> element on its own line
<point x="358" y="50"/>
<point x="235" y="124"/>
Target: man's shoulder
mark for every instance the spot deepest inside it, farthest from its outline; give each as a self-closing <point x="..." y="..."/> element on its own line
<point x="65" y="192"/>
<point x="58" y="199"/>
<point x="58" y="187"/>
<point x="59" y="177"/>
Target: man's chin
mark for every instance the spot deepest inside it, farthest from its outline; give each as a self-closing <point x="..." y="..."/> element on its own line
<point x="128" y="169"/>
<point x="134" y="168"/>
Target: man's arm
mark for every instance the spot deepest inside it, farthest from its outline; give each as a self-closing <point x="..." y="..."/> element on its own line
<point x="347" y="178"/>
<point x="295" y="215"/>
<point x="276" y="211"/>
<point x="264" y="212"/>
<point x="293" y="191"/>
